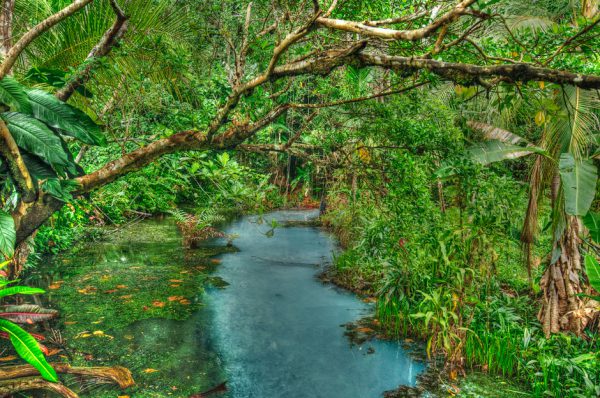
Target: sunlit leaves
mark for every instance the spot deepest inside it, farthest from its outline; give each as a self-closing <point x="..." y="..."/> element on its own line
<point x="27" y="347"/>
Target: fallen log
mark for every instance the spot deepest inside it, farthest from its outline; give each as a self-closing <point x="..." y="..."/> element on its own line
<point x="117" y="374"/>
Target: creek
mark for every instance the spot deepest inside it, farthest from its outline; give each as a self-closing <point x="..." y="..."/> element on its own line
<point x="254" y="315"/>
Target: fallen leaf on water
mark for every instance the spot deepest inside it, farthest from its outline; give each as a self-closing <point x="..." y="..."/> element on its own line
<point x="215" y="261"/>
<point x="408" y="340"/>
<point x="8" y="358"/>
<point x="150" y="370"/>
<point x="158" y="304"/>
<point x="175" y="298"/>
<point x="87" y="290"/>
<point x="100" y="333"/>
<point x="364" y="330"/>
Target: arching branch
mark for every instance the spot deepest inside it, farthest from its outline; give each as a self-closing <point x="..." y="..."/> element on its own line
<point x="16" y="50"/>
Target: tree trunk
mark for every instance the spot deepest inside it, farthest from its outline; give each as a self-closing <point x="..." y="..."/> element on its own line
<point x="6" y="19"/>
<point x="562" y="309"/>
<point x="589" y="8"/>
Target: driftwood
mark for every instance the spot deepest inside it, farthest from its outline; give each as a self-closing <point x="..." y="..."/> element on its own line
<point x="9" y="387"/>
<point x="25" y="377"/>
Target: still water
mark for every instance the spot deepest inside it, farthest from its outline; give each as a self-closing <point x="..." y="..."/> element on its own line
<point x="274" y="331"/>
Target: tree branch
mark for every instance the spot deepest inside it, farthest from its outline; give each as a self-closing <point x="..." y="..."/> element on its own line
<point x="323" y="63"/>
<point x="109" y="40"/>
<point x="371" y="29"/>
<point x="18" y="170"/>
<point x="16" y="50"/>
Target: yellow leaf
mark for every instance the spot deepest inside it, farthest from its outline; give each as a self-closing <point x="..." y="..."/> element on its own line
<point x="542" y="85"/>
<point x="540" y="118"/>
<point x="150" y="370"/>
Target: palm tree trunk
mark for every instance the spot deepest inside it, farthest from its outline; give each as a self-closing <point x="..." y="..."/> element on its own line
<point x="562" y="309"/>
<point x="589" y="8"/>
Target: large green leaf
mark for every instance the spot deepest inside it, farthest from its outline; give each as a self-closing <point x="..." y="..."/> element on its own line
<point x="592" y="268"/>
<point x="28" y="349"/>
<point x="495" y="151"/>
<point x="579" y="183"/>
<point x="490" y="132"/>
<point x="35" y="137"/>
<point x="13" y="95"/>
<point x="8" y="236"/>
<point x="64" y="117"/>
<point x="37" y="168"/>
<point x="592" y="223"/>
<point x="9" y="291"/>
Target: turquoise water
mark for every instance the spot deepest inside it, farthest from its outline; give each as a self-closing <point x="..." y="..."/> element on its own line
<point x="138" y="299"/>
<point x="277" y="328"/>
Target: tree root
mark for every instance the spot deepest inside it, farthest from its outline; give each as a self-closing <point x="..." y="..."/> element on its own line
<point x="25" y="377"/>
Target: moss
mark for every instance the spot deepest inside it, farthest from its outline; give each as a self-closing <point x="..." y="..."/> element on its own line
<point x="135" y="299"/>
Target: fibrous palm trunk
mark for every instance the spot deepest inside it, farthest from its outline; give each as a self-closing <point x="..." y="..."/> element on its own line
<point x="562" y="309"/>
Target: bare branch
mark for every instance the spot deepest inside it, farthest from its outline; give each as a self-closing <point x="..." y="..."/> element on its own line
<point x="326" y="61"/>
<point x="366" y="29"/>
<point x="396" y="20"/>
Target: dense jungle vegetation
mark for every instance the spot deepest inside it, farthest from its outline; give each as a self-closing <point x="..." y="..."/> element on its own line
<point x="452" y="147"/>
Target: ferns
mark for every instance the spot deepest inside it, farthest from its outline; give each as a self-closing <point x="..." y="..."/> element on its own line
<point x="197" y="228"/>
